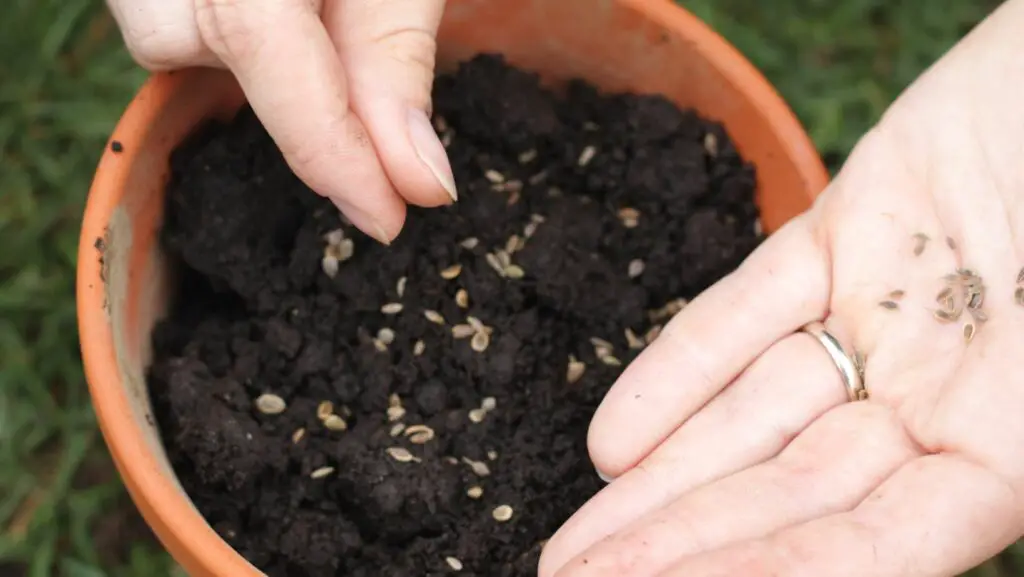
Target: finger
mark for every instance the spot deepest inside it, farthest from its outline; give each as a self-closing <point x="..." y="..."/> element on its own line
<point x="938" y="515"/>
<point x="779" y="395"/>
<point x="161" y="34"/>
<point x="781" y="286"/>
<point x="830" y="467"/>
<point x="287" y="66"/>
<point x="388" y="49"/>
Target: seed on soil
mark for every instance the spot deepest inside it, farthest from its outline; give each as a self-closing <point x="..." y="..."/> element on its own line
<point x="538" y="178"/>
<point x="476" y="323"/>
<point x="1020" y="276"/>
<point x="530" y="229"/>
<point x="470" y="243"/>
<point x="514" y="271"/>
<point x="897" y="294"/>
<point x="334" y="237"/>
<point x="434" y="317"/>
<point x="630" y="217"/>
<point x="890" y="305"/>
<point x="335" y="423"/>
<point x="380" y="345"/>
<point x="329" y="265"/>
<point x="394" y="400"/>
<point x="489" y="404"/>
<point x="950" y="243"/>
<point x="633" y="340"/>
<point x="270" y="404"/>
<point x="480" y="341"/>
<point x="454" y="563"/>
<point x="475" y="492"/>
<point x="504" y="258"/>
<point x="462" y="298"/>
<point x="463" y="331"/>
<point x="324" y="410"/>
<point x="298" y="434"/>
<point x="636" y="268"/>
<point x="537" y="218"/>
<point x="492" y="260"/>
<point x="477" y="415"/>
<point x="321" y="472"/>
<point x="492" y="455"/>
<point x="711" y="144"/>
<point x="400" y="287"/>
<point x="419" y="434"/>
<point x="451" y="272"/>
<point x="512" y="186"/>
<point x="611" y="361"/>
<point x="575" y="370"/>
<point x="502" y="513"/>
<point x="969" y="331"/>
<point x="528" y="156"/>
<point x="512" y="244"/>
<point x="386" y="336"/>
<point x="419" y="348"/>
<point x="494" y="176"/>
<point x="586" y="156"/>
<point x="402" y="455"/>
<point x="391" y="308"/>
<point x="920" y="241"/>
<point x="1018" y="296"/>
<point x="395" y="413"/>
<point x="652" y="334"/>
<point x="397" y="429"/>
<point x="479" y="468"/>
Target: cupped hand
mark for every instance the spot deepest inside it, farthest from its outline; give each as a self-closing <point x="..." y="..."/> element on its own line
<point x="732" y="444"/>
<point x="343" y="87"/>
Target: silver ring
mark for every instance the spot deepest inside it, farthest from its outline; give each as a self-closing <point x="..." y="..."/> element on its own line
<point x="850" y="368"/>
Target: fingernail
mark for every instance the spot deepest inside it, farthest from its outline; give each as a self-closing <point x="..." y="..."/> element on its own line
<point x="604" y="477"/>
<point x="363" y="221"/>
<point x="431" y="151"/>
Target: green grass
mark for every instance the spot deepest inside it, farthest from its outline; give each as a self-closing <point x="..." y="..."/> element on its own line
<point x="65" y="79"/>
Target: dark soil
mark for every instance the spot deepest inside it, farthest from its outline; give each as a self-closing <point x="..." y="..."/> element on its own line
<point x="257" y="314"/>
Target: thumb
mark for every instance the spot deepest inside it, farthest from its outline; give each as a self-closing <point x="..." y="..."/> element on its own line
<point x="387" y="48"/>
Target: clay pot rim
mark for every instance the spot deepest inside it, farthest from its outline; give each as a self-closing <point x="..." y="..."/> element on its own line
<point x="174" y="519"/>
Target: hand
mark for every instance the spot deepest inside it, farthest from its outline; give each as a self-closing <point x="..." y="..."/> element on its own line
<point x="731" y="441"/>
<point x="343" y="86"/>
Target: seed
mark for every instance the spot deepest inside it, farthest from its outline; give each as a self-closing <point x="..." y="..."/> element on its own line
<point x="979" y="315"/>
<point x="492" y="455"/>
<point x="324" y="410"/>
<point x="513" y="198"/>
<point x="920" y="241"/>
<point x="440" y="124"/>
<point x="462" y="298"/>
<point x="586" y="156"/>
<point x="975" y="299"/>
<point x="512" y="244"/>
<point x="394" y="400"/>
<point x="434" y="317"/>
<point x="537" y="218"/>
<point x="419" y="434"/>
<point x="470" y="243"/>
<point x="858" y="362"/>
<point x="944" y="315"/>
<point x="418" y="348"/>
<point x="477" y="415"/>
<point x="492" y="260"/>
<point x="475" y="492"/>
<point x="897" y="294"/>
<point x="636" y="268"/>
<point x="334" y="237"/>
<point x="538" y="178"/>
<point x="632" y="340"/>
<point x="494" y="176"/>
<point x="479" y="468"/>
<point x="1018" y="296"/>
<point x="329" y="264"/>
<point x="502" y="513"/>
<point x="451" y="272"/>
<point x="397" y="429"/>
<point x="711" y="144"/>
<point x="489" y="404"/>
<point x="298" y="434"/>
<point x="528" y="156"/>
<point x="601" y="343"/>
<point x="380" y="345"/>
<point x="386" y="336"/>
<point x="513" y="186"/>
<point x="504" y="258"/>
<point x="346" y="249"/>
<point x="400" y="287"/>
<point x="463" y="331"/>
<point x="575" y="370"/>
<point x="530" y="229"/>
<point x="1020" y="276"/>
<point x="454" y="563"/>
<point x="321" y="472"/>
<point x="514" y="272"/>
<point x="395" y="413"/>
<point x="969" y="331"/>
<point x="476" y="323"/>
<point x="611" y="361"/>
<point x="335" y="423"/>
<point x="630" y="217"/>
<point x="652" y="334"/>
<point x="450" y="460"/>
<point x="944" y="295"/>
<point x="889" y="305"/>
<point x="270" y="404"/>
<point x="391" y="308"/>
<point x="402" y="455"/>
<point x="479" y="342"/>
<point x="950" y="243"/>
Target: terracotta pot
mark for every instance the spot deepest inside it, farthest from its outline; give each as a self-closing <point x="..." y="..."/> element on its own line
<point x="123" y="283"/>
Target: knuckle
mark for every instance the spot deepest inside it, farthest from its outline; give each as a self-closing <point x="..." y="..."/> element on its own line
<point x="225" y="28"/>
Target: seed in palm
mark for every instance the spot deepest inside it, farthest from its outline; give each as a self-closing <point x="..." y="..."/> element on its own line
<point x="920" y="242"/>
<point x="889" y="305"/>
<point x="969" y="330"/>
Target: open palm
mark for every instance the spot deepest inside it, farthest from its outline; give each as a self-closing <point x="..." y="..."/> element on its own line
<point x="731" y="441"/>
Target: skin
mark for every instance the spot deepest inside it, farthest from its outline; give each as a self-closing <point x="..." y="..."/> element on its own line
<point x="343" y="87"/>
<point x="733" y="448"/>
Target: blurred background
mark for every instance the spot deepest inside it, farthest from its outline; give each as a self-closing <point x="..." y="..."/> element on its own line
<point x="64" y="79"/>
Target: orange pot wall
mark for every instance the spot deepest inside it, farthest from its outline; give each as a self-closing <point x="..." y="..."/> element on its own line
<point x="635" y="45"/>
